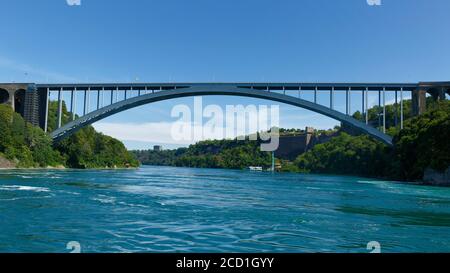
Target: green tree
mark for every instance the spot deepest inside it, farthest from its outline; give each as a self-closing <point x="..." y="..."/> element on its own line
<point x="424" y="142"/>
<point x="87" y="148"/>
<point x="24" y="143"/>
<point x="345" y="154"/>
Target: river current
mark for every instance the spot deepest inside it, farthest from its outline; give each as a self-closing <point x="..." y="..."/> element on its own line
<point x="165" y="209"/>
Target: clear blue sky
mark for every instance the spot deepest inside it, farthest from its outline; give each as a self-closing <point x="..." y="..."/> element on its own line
<point x="223" y="40"/>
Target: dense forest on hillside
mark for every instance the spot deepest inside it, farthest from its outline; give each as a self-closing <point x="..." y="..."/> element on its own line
<point x="28" y="146"/>
<point x="346" y="154"/>
<point x="87" y="148"/>
<point x="229" y="154"/>
<point x="23" y="144"/>
<point x="423" y="143"/>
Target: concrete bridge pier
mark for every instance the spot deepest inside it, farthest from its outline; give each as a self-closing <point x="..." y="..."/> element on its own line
<point x="13" y="95"/>
<point x="419" y="102"/>
<point x="438" y="94"/>
<point x="437" y="90"/>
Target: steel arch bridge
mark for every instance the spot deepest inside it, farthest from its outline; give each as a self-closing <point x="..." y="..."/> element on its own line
<point x="32" y="100"/>
<point x="150" y="93"/>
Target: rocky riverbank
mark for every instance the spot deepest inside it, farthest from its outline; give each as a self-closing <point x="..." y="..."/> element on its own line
<point x="436" y="178"/>
<point x="6" y="164"/>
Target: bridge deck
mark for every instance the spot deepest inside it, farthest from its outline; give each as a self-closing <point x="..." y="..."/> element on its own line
<point x="255" y="85"/>
<point x="147" y="93"/>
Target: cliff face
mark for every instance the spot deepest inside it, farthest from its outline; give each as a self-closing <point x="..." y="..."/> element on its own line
<point x="292" y="146"/>
<point x="6" y="164"/>
<point x="436" y="178"/>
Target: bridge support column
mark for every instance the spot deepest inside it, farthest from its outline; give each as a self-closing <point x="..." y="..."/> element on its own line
<point x="396" y="109"/>
<point x="384" y="110"/>
<point x="73" y="103"/>
<point x="379" y="108"/>
<point x="419" y="105"/>
<point x="362" y="103"/>
<point x="366" y="97"/>
<point x="401" y="108"/>
<point x="441" y="94"/>
<point x="350" y="101"/>
<point x="86" y="101"/>
<point x="102" y="96"/>
<point x="59" y="109"/>
<point x="332" y="98"/>
<point x="346" y="102"/>
<point x="47" y="98"/>
<point x="315" y="95"/>
<point x="98" y="99"/>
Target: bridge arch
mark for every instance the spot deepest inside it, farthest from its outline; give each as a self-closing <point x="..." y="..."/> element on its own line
<point x="4" y="96"/>
<point x="121" y="106"/>
<point x="19" y="101"/>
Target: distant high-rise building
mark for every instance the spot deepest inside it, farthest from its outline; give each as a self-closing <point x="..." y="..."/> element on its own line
<point x="157" y="148"/>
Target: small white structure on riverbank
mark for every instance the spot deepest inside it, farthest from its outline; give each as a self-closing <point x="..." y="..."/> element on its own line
<point x="255" y="169"/>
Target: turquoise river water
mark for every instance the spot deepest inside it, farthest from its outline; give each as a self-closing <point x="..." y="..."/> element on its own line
<point x="164" y="209"/>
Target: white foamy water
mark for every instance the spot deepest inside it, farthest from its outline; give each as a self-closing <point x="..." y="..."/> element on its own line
<point x="165" y="209"/>
<point x="24" y="188"/>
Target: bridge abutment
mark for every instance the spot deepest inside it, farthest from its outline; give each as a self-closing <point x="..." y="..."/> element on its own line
<point x="438" y="90"/>
<point x="26" y="100"/>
